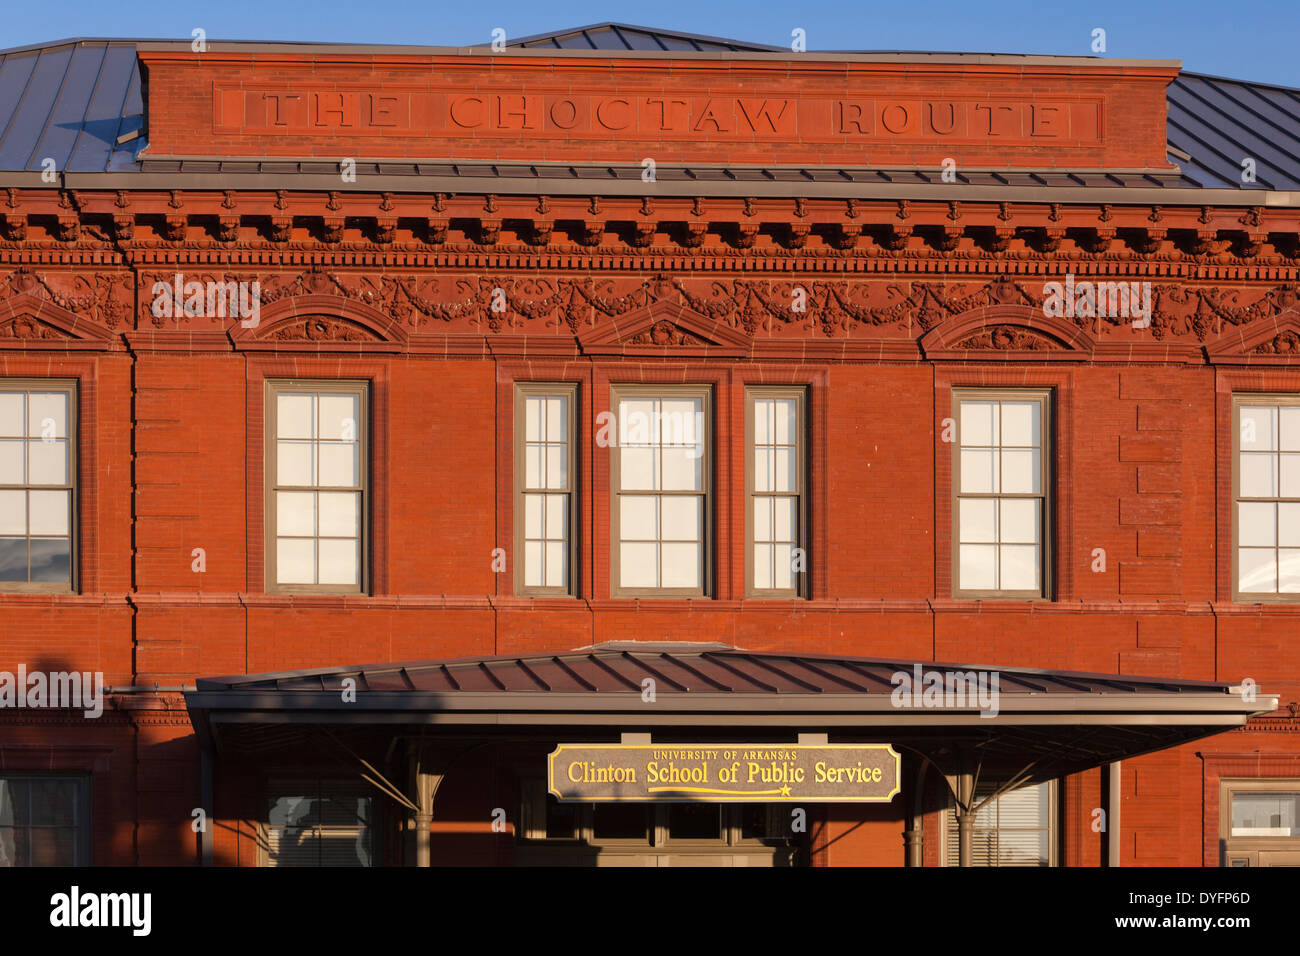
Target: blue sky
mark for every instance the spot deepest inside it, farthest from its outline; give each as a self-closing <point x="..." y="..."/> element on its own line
<point x="1246" y="39"/>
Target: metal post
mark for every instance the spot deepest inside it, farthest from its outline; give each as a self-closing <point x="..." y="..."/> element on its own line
<point x="207" y="757"/>
<point x="965" y="818"/>
<point x="914" y="835"/>
<point x="1113" y="799"/>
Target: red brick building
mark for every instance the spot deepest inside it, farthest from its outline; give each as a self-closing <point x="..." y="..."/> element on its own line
<point x="441" y="398"/>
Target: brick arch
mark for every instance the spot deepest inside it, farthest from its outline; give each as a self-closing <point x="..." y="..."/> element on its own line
<point x="1017" y="332"/>
<point x="345" y="323"/>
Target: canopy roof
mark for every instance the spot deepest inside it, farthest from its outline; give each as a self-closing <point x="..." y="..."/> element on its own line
<point x="1069" y="721"/>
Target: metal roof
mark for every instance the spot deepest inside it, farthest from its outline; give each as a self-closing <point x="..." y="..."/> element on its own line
<point x="1063" y="721"/>
<point x="78" y="102"/>
<point x="685" y="669"/>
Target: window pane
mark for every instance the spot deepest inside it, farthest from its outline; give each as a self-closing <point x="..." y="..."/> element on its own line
<point x="294" y="463"/>
<point x="694" y="821"/>
<point x="1257" y="570"/>
<point x="637" y="422"/>
<point x="556" y="565"/>
<point x="683" y="469"/>
<point x="295" y="513"/>
<point x="978" y="567"/>
<point x="763" y="424"/>
<point x="681" y="565"/>
<point x="763" y="518"/>
<point x="1259" y="475"/>
<point x="54" y="802"/>
<point x="637" y="469"/>
<point x="51" y="559"/>
<point x="783" y="566"/>
<point x="11" y="414"/>
<point x="784" y="473"/>
<point x="295" y="561"/>
<point x="47" y="415"/>
<point x="681" y="519"/>
<point x="763" y="566"/>
<point x="557" y="419"/>
<point x="13" y="559"/>
<point x="1257" y="428"/>
<point x="338" y="561"/>
<point x="619" y="821"/>
<point x="48" y="511"/>
<point x="977" y="472"/>
<point x="557" y="466"/>
<point x="294" y="418"/>
<point x="1288" y="525"/>
<point x="339" y="417"/>
<point x="533" y="418"/>
<point x="338" y="514"/>
<point x="533" y="470"/>
<point x="763" y="469"/>
<point x="13" y="511"/>
<point x="1266" y="814"/>
<point x="52" y="847"/>
<point x="979" y="423"/>
<point x="786" y="523"/>
<point x="680" y="421"/>
<point x="978" y="519"/>
<point x="338" y="465"/>
<point x="1020" y="424"/>
<point x="533" y="567"/>
<point x="1288" y="571"/>
<point x="12" y="468"/>
<point x="47" y="462"/>
<point x="1255" y="523"/>
<point x="1020" y="520"/>
<point x="1019" y="567"/>
<point x="1289" y="429"/>
<point x="637" y="565"/>
<point x="1289" y="476"/>
<point x="1020" y="472"/>
<point x="533" y="516"/>
<point x="787" y="426"/>
<point x="637" y="518"/>
<point x="557" y="522"/>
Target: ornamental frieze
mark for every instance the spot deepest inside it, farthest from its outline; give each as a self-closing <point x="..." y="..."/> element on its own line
<point x="795" y="307"/>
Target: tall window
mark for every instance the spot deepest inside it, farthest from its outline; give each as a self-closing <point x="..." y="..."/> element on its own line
<point x="316" y="470"/>
<point x="1266" y="482"/>
<point x="776" y="558"/>
<point x="37" y="484"/>
<point x="1013" y="830"/>
<point x="318" y="822"/>
<point x="660" y="480"/>
<point x="545" y="475"/>
<point x="1000" y="482"/>
<point x="44" y="821"/>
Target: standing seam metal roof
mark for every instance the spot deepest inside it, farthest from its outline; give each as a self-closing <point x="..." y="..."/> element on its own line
<point x="79" y="103"/>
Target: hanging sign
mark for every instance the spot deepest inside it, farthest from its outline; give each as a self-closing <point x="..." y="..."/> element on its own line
<point x="725" y="773"/>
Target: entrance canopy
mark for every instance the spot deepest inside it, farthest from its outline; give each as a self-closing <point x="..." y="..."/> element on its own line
<point x="1053" y="722"/>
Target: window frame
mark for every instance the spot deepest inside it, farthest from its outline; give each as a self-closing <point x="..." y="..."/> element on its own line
<point x="278" y="782"/>
<point x="274" y="387"/>
<point x="524" y="391"/>
<point x="1055" y="830"/>
<point x="1278" y="400"/>
<point x="618" y="393"/>
<point x="83" y="844"/>
<point x="1044" y="397"/>
<point x="1250" y="846"/>
<point x="800" y="394"/>
<point x="70" y="386"/>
